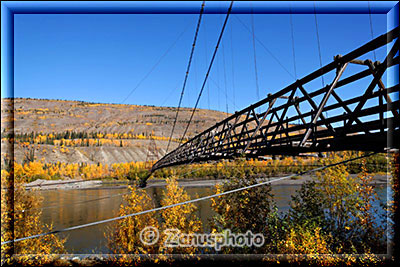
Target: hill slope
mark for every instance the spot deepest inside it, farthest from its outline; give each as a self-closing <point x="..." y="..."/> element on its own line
<point x="58" y="116"/>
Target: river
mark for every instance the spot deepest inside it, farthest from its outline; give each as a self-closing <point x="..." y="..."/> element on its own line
<point x="65" y="208"/>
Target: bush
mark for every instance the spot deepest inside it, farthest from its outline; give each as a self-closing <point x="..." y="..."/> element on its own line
<point x="242" y="211"/>
<point x="124" y="236"/>
<point x="341" y="208"/>
<point x="27" y="223"/>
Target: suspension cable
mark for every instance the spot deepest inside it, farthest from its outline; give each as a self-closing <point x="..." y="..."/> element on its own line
<point x="150" y="71"/>
<point x="319" y="45"/>
<point x="293" y="50"/>
<point x="154" y="66"/>
<point x="226" y="88"/>
<point x="208" y="71"/>
<point x="226" y="95"/>
<point x="319" y="48"/>
<point x="183" y="203"/>
<point x="175" y="88"/>
<point x="233" y="71"/>
<point x="265" y="47"/>
<point x="217" y="72"/>
<point x="187" y="73"/>
<point x="206" y="58"/>
<point x="255" y="55"/>
<point x="370" y="25"/>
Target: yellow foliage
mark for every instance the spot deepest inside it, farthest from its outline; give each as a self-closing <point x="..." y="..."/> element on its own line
<point x="27" y="223"/>
<point x="124" y="236"/>
<point x="180" y="217"/>
<point x="39" y="170"/>
<point x="307" y="245"/>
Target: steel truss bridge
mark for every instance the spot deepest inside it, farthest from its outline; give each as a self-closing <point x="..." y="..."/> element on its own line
<point x="321" y="120"/>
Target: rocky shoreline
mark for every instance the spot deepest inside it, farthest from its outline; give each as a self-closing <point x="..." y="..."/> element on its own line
<point x="62" y="184"/>
<point x="40" y="184"/>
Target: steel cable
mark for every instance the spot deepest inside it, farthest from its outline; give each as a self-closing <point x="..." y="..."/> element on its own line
<point x="186" y="74"/>
<point x="255" y="56"/>
<point x="155" y="65"/>
<point x="233" y="70"/>
<point x="182" y="175"/>
<point x="293" y="50"/>
<point x="370" y="25"/>
<point x="182" y="203"/>
<point x="263" y="46"/>
<point x="319" y="45"/>
<point x="208" y="71"/>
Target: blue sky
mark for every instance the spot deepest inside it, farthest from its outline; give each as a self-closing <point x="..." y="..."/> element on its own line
<point x="102" y="58"/>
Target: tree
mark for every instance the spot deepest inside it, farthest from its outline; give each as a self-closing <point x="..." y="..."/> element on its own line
<point x="340" y="206"/>
<point x="307" y="208"/>
<point x="124" y="236"/>
<point x="306" y="244"/>
<point x="244" y="210"/>
<point x="372" y="235"/>
<point x="180" y="217"/>
<point x="27" y="223"/>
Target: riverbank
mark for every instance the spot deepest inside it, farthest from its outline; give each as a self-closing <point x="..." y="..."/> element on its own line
<point x="41" y="184"/>
<point x="378" y="179"/>
<point x="65" y="208"/>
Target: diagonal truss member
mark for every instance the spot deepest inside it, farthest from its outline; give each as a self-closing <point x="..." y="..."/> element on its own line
<point x="361" y="122"/>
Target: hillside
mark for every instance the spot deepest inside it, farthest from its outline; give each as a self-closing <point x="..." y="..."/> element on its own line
<point x="95" y="132"/>
<point x="48" y="116"/>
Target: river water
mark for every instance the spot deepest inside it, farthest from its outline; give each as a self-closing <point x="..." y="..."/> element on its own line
<point x="65" y="208"/>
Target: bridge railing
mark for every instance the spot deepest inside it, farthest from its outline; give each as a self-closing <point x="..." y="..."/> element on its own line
<point x="295" y="120"/>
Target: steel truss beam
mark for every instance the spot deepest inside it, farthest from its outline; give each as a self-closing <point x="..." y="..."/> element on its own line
<point x="275" y="131"/>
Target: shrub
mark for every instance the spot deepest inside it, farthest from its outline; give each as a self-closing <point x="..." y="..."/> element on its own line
<point x="27" y="223"/>
<point x="340" y="206"/>
<point x="244" y="210"/>
<point x="124" y="235"/>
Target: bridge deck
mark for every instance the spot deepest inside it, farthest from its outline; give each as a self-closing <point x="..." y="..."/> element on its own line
<point x="319" y="120"/>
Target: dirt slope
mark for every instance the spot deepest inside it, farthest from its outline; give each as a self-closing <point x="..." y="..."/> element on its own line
<point x="57" y="116"/>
